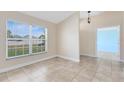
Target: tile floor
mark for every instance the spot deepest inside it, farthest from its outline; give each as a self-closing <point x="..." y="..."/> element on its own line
<point x="61" y="70"/>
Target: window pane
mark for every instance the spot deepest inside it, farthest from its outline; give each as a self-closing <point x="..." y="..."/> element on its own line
<point x="11" y="48"/>
<point x="34" y="49"/>
<point x="34" y="46"/>
<point x="19" y="50"/>
<point x="43" y="49"/>
<point x="43" y="42"/>
<point x="43" y="46"/>
<point x="38" y="32"/>
<point x="17" y="30"/>
<point x="21" y="47"/>
<point x="26" y="49"/>
<point x="11" y="51"/>
<point x="38" y="46"/>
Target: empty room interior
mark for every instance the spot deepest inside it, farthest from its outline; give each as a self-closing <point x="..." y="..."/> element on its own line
<point x="61" y="46"/>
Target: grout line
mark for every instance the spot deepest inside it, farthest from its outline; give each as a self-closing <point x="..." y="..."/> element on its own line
<point x="95" y="72"/>
<point x="76" y="74"/>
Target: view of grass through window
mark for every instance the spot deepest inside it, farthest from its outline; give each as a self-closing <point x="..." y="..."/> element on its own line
<point x="22" y="40"/>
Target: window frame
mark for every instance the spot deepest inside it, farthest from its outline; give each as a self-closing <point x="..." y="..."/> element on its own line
<point x="30" y="39"/>
<point x="115" y="26"/>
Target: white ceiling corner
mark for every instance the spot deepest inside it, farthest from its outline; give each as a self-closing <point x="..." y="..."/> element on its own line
<point x="58" y="16"/>
<point x="51" y="16"/>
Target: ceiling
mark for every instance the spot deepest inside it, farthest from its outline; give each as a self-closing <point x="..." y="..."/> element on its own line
<point x="51" y="16"/>
<point x="57" y="16"/>
<point x="84" y="14"/>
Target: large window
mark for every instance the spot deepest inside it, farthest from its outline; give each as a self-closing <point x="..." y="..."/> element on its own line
<point x="108" y="39"/>
<point x="23" y="39"/>
<point x="108" y="42"/>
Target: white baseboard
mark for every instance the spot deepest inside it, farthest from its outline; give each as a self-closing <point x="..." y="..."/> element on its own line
<point x="98" y="57"/>
<point x="68" y="58"/>
<point x="88" y="55"/>
<point x="24" y="64"/>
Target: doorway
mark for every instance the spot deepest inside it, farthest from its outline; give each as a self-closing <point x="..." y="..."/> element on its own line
<point x="108" y="42"/>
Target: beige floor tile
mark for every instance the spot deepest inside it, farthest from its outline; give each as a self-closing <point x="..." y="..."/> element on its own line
<point x="102" y="77"/>
<point x="17" y="76"/>
<point x="3" y="77"/>
<point x="87" y="74"/>
<point x="43" y="78"/>
<point x="80" y="78"/>
<point x="62" y="75"/>
<point x="117" y="76"/>
<point x="104" y="69"/>
<point x="96" y="80"/>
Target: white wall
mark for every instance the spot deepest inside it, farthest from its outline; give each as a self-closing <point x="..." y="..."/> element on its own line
<point x="88" y="31"/>
<point x="68" y="38"/>
<point x="11" y="63"/>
